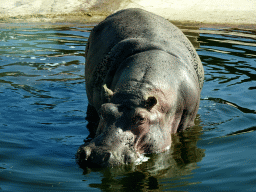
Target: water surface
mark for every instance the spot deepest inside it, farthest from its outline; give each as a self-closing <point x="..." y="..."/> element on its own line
<point x="43" y="109"/>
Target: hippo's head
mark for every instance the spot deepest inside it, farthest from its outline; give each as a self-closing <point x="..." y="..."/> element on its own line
<point x="128" y="127"/>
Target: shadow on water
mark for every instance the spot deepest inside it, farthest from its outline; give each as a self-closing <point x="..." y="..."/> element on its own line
<point x="43" y="106"/>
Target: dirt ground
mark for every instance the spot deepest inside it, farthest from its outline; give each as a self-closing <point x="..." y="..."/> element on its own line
<point x="217" y="12"/>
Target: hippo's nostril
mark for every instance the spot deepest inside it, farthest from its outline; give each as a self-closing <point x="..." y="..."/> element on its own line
<point x="87" y="153"/>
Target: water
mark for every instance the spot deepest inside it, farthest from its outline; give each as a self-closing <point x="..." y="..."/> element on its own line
<point x="43" y="108"/>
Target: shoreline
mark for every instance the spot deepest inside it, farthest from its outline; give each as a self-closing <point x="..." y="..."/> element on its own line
<point x="83" y="18"/>
<point x="199" y="13"/>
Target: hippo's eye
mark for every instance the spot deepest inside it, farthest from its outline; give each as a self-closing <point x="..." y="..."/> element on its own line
<point x="138" y="119"/>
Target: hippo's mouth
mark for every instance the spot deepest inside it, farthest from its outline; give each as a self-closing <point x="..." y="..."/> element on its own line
<point x="107" y="159"/>
<point x="142" y="158"/>
<point x="100" y="156"/>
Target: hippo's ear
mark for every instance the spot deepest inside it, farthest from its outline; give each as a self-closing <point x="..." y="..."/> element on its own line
<point x="151" y="102"/>
<point x="108" y="93"/>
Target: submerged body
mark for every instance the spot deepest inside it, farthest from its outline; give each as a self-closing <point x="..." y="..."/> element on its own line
<point x="144" y="79"/>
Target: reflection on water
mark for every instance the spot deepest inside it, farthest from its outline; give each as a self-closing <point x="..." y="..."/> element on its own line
<point x="43" y="108"/>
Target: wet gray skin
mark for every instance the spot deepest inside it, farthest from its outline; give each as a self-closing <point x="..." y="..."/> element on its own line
<point x="144" y="78"/>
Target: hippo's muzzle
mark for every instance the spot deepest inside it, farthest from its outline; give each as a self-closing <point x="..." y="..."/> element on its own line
<point x="106" y="151"/>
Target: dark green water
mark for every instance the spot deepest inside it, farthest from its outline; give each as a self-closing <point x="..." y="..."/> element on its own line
<point x="43" y="107"/>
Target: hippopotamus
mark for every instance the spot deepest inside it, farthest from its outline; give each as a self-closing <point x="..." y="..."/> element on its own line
<point x="143" y="79"/>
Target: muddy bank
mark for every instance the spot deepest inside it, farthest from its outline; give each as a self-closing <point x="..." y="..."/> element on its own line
<point x="221" y="12"/>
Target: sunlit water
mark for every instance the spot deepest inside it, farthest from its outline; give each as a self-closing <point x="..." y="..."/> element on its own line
<point x="43" y="109"/>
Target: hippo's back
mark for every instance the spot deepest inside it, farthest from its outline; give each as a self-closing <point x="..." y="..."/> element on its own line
<point x="134" y="24"/>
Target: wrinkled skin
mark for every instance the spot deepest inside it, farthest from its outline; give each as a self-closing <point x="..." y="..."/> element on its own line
<point x="144" y="79"/>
